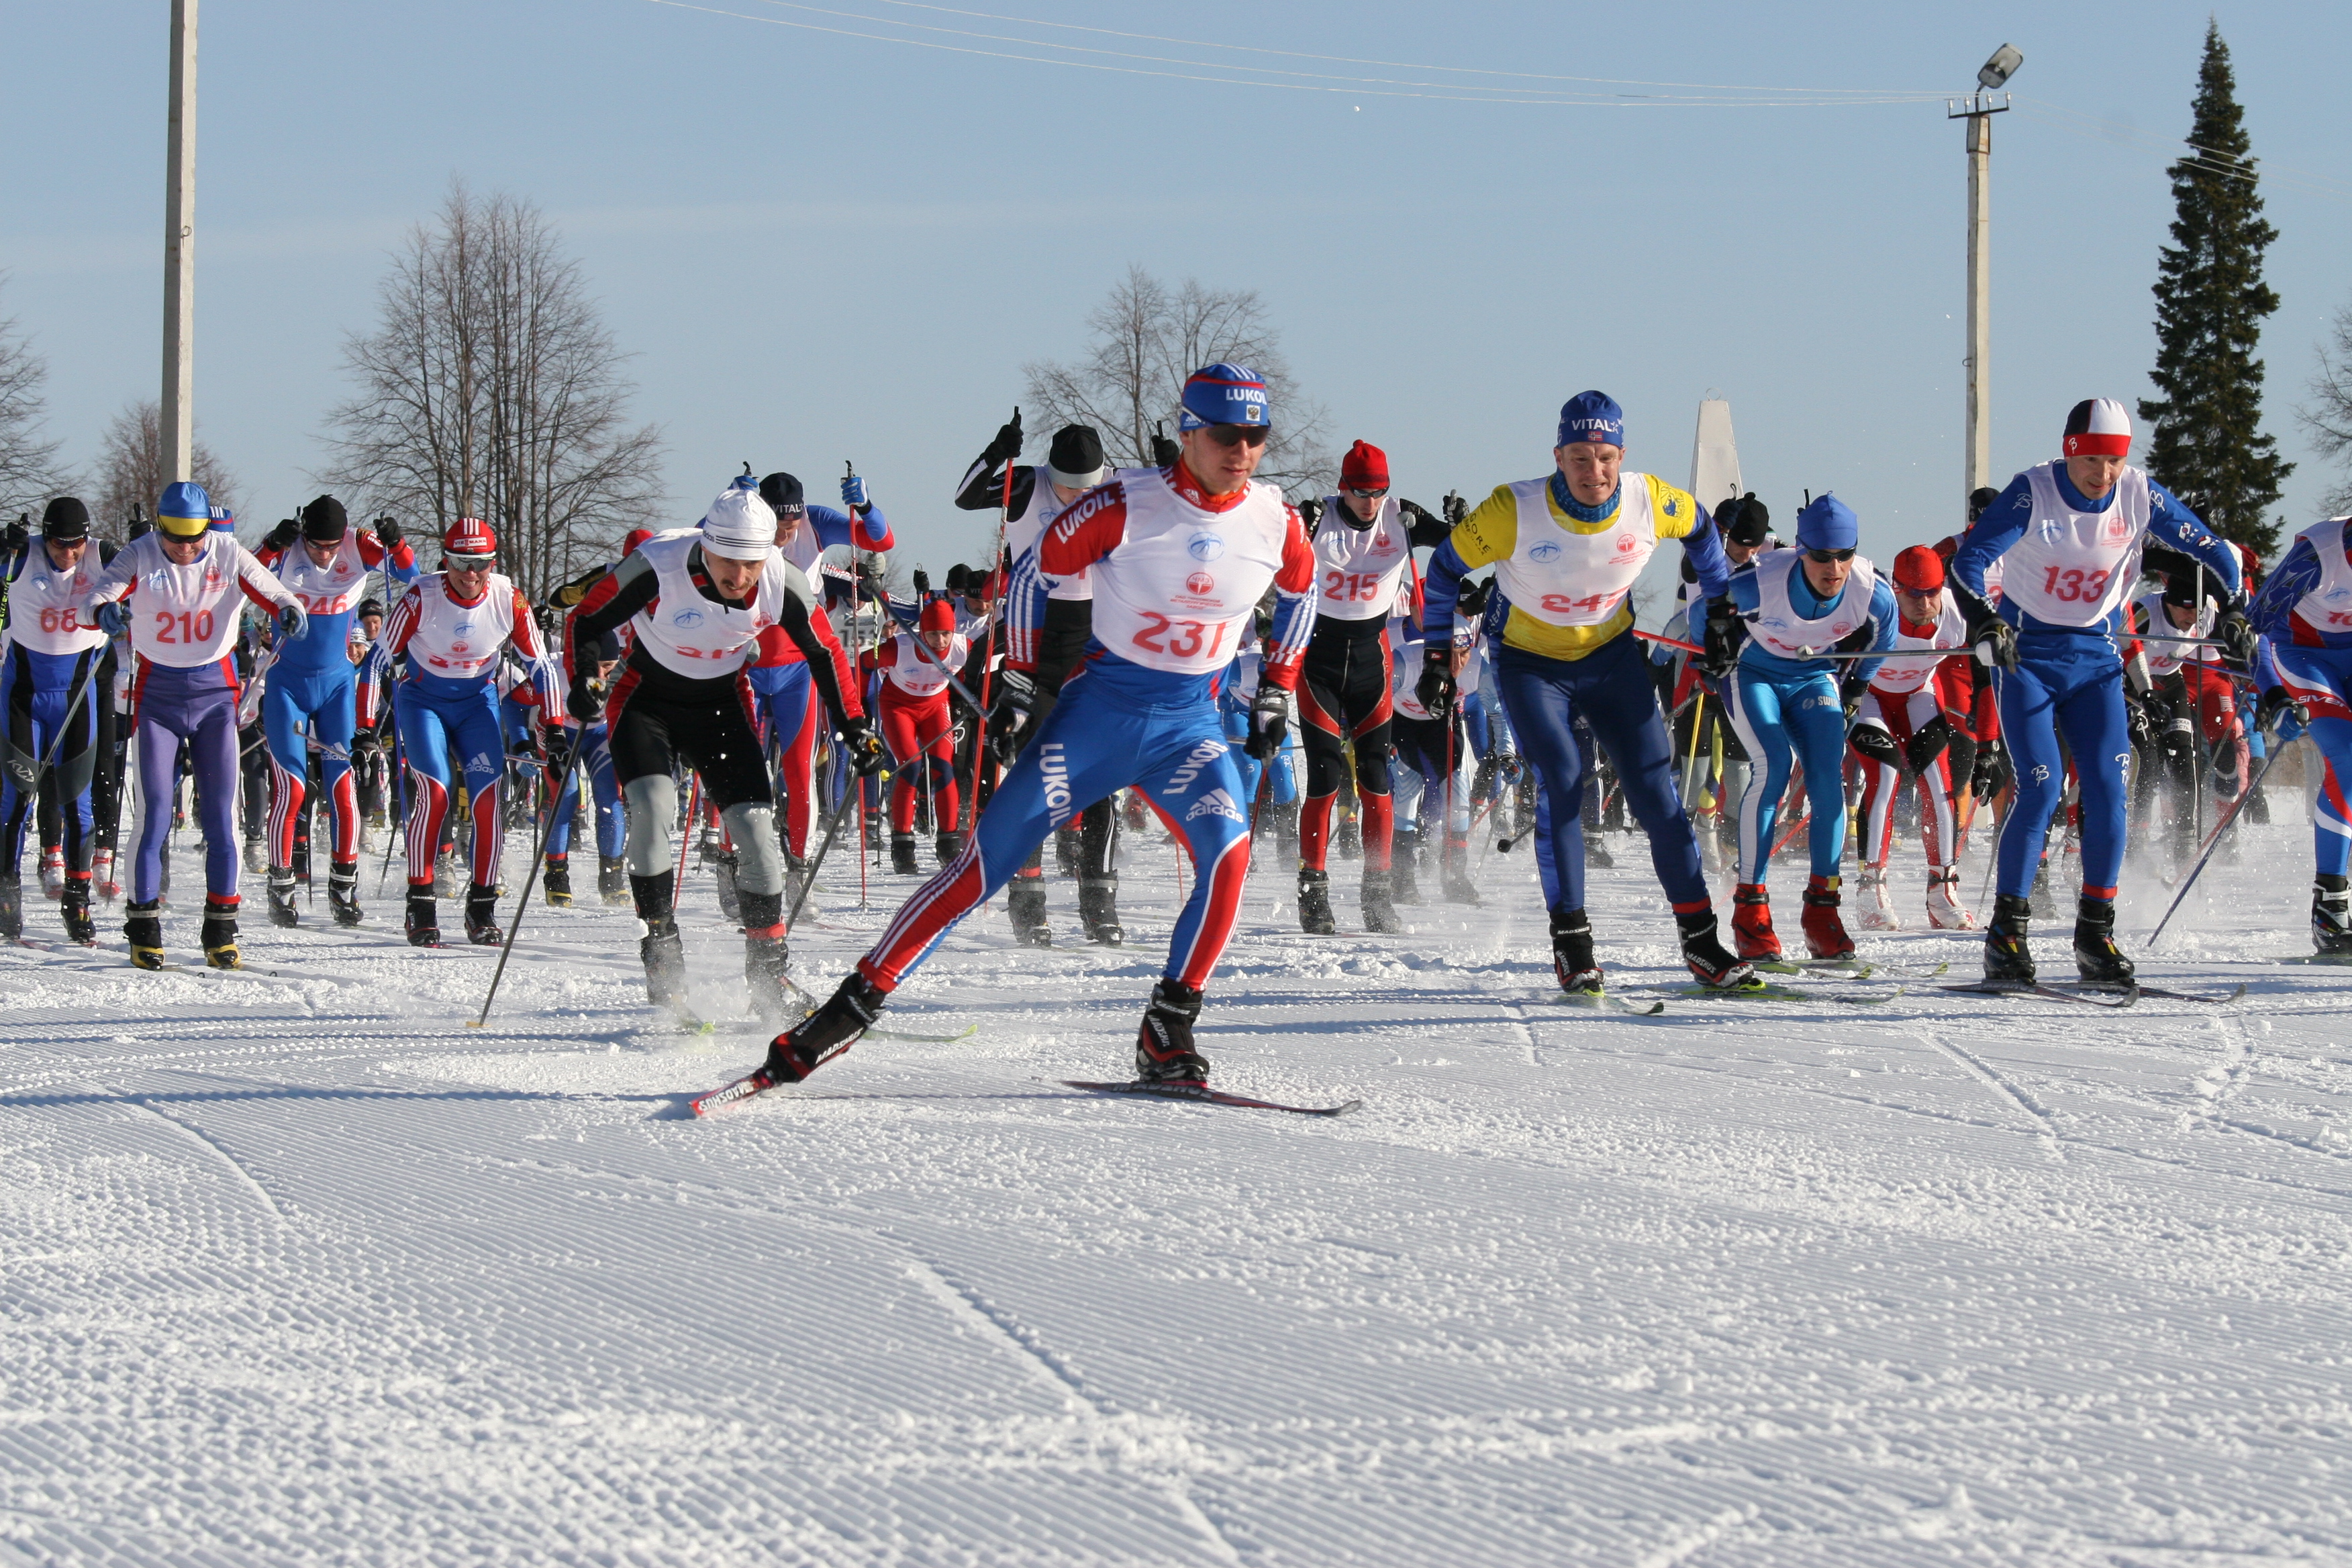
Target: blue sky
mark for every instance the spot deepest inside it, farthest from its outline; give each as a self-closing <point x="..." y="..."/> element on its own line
<point x="823" y="247"/>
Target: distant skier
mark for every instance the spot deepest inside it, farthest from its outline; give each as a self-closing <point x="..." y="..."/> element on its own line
<point x="50" y="697"/>
<point x="1179" y="557"/>
<point x="2067" y="535"/>
<point x="1913" y="720"/>
<point x="918" y="726"/>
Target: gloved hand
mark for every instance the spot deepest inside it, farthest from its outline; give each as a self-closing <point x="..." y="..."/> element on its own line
<point x="17" y="535"/>
<point x="1456" y="509"/>
<point x="560" y="740"/>
<point x="366" y="743"/>
<point x="1164" y="450"/>
<point x="1470" y="598"/>
<point x="2137" y="725"/>
<point x="864" y="743"/>
<point x="1851" y="691"/>
<point x="1269" y="721"/>
<point x="2278" y="704"/>
<point x="922" y="582"/>
<point x="586" y="699"/>
<point x="1993" y="771"/>
<point x="853" y="493"/>
<point x="1871" y="740"/>
<point x="1007" y="445"/>
<point x="283" y="536"/>
<point x="1994" y="639"/>
<point x="387" y="533"/>
<point x="1436" y="687"/>
<point x="1311" y="512"/>
<point x="1417" y="513"/>
<point x="113" y="617"/>
<point x="2236" y="635"/>
<point x="293" y="622"/>
<point x="1012" y="711"/>
<point x="1725" y="632"/>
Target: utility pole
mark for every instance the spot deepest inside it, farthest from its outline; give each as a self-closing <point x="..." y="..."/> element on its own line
<point x="177" y="423"/>
<point x="1978" y="109"/>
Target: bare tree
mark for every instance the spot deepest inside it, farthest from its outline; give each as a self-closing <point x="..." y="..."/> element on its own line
<point x="489" y="388"/>
<point x="1147" y="339"/>
<point x="2328" y="415"/>
<point x="28" y="464"/>
<point x="129" y="472"/>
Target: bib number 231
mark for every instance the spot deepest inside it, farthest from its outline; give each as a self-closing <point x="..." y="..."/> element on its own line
<point x="1179" y="640"/>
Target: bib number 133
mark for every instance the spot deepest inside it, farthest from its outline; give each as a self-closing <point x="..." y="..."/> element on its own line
<point x="2073" y="583"/>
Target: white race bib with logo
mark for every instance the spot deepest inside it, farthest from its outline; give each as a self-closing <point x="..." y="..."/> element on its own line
<point x="1900" y="676"/>
<point x="2075" y="568"/>
<point x="1779" y="630"/>
<point x="1358" y="570"/>
<point x="1175" y="592"/>
<point x="1568" y="579"/>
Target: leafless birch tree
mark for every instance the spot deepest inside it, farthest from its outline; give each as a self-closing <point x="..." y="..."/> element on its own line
<point x="28" y="464"/>
<point x="129" y="472"/>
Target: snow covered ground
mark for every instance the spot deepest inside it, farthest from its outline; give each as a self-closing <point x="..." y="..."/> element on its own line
<point x="305" y="1271"/>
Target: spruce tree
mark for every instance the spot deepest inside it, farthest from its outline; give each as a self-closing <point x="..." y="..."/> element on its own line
<point x="2206" y="445"/>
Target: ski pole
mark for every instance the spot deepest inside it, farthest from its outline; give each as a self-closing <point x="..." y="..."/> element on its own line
<point x="531" y="879"/>
<point x="2213" y="842"/>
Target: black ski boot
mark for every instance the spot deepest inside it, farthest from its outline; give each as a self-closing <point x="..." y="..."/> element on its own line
<point x="1314" y="902"/>
<point x="1454" y="870"/>
<point x="1379" y="906"/>
<point x="764" y="958"/>
<point x="1571" y="954"/>
<point x="1099" y="909"/>
<point x="281" y="897"/>
<point x="482" y="916"/>
<point x="949" y="846"/>
<point x="74" y="907"/>
<point x="220" y="935"/>
<point x="1404" y="867"/>
<point x="1708" y="960"/>
<point x="343" y="894"/>
<point x="1163" y="1047"/>
<point x="556" y="880"/>
<point x="2331" y="914"/>
<point x="613" y="878"/>
<point x="142" y="926"/>
<point x="824" y="1034"/>
<point x="11" y="910"/>
<point x="2008" y="960"/>
<point x="902" y="856"/>
<point x="2100" y="960"/>
<point x="1024" y="897"/>
<point x="661" y="948"/>
<point x="424" y="919"/>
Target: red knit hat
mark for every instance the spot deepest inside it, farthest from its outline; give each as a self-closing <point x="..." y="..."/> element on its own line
<point x="1365" y="467"/>
<point x="634" y="536"/>
<point x="939" y="615"/>
<point x="1920" y="569"/>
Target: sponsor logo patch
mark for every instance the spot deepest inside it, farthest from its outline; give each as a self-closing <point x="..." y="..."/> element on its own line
<point x="1216" y="802"/>
<point x="1549" y="550"/>
<point x="1205" y="546"/>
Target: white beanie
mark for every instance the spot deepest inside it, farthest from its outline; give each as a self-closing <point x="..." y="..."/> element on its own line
<point x="740" y="526"/>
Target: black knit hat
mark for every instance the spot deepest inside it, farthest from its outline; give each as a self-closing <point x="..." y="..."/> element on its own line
<point x="324" y="522"/>
<point x="1745" y="520"/>
<point x="65" y="519"/>
<point x="782" y="494"/>
<point x="1076" y="457"/>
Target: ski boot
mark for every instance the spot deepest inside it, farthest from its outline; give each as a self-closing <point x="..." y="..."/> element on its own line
<point x="424" y="919"/>
<point x="74" y="909"/>
<point x="2007" y="961"/>
<point x="824" y="1034"/>
<point x="1315" y="902"/>
<point x="448" y="880"/>
<point x="281" y="897"/>
<point x="53" y="873"/>
<point x="557" y="881"/>
<point x="765" y="957"/>
<point x="482" y="916"/>
<point x="1069" y="847"/>
<point x="1348" y="838"/>
<point x="1708" y="963"/>
<point x="142" y="926"/>
<point x="1751" y="921"/>
<point x="902" y="856"/>
<point x="1099" y="909"/>
<point x="1163" y="1045"/>
<point x="220" y="935"/>
<point x="1024" y="899"/>
<point x="344" y="893"/>
<point x="1571" y="954"/>
<point x="257" y="859"/>
<point x="948" y="845"/>
<point x="1872" y="911"/>
<point x="11" y="910"/>
<point x="101" y="876"/>
<point x="1404" y="864"/>
<point x="661" y="949"/>
<point x="613" y="878"/>
<point x="2097" y="957"/>
<point x="2331" y="914"/>
<point x="1454" y="872"/>
<point x="1945" y="910"/>
<point x="1826" y="935"/>
<point x="1380" y="905"/>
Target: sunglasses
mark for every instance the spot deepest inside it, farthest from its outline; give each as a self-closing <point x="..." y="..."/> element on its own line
<point x="467" y="562"/>
<point x="1370" y="495"/>
<point x="1238" y="435"/>
<point x="1824" y="557"/>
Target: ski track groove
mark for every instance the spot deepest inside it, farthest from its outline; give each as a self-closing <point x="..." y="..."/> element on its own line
<point x="1999" y="1084"/>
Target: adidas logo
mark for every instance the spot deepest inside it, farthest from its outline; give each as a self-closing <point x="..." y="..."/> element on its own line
<point x="1216" y="802"/>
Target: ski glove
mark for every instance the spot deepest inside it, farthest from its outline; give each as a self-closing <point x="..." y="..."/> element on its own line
<point x="2236" y="635"/>
<point x="584" y="700"/>
<point x="388" y="534"/>
<point x="1725" y="633"/>
<point x="1851" y="691"/>
<point x="559" y="749"/>
<point x="1456" y="509"/>
<point x="112" y="617"/>
<point x="1470" y="599"/>
<point x="1310" y="512"/>
<point x="853" y="493"/>
<point x="922" y="582"/>
<point x="1164" y="450"/>
<point x="1993" y="772"/>
<point x="2138" y="726"/>
<point x="1011" y="713"/>
<point x="282" y="537"/>
<point x="2278" y="705"/>
<point x="1872" y="743"/>
<point x="1994" y="639"/>
<point x="1269" y="722"/>
<point x="293" y="622"/>
<point x="865" y="747"/>
<point x="1436" y="685"/>
<point x="18" y="536"/>
<point x="1007" y="445"/>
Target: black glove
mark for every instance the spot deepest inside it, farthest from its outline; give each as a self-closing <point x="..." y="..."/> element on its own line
<point x="1725" y="632"/>
<point x="1456" y="509"/>
<point x="1994" y="639"/>
<point x="959" y="580"/>
<point x="922" y="582"/>
<point x="1993" y="772"/>
<point x="387" y="533"/>
<point x="1435" y="687"/>
<point x="17" y="535"/>
<point x="864" y="745"/>
<point x="1310" y="512"/>
<point x="283" y="536"/>
<point x="1269" y="721"/>
<point x="1011" y="713"/>
<point x="559" y="741"/>
<point x="1873" y="743"/>
<point x="2137" y="726"/>
<point x="1007" y="445"/>
<point x="1926" y="743"/>
<point x="2236" y="635"/>
<point x="586" y="699"/>
<point x="1164" y="450"/>
<point x="2276" y="704"/>
<point x="1851" y="691"/>
<point x="1416" y="512"/>
<point x="1470" y="598"/>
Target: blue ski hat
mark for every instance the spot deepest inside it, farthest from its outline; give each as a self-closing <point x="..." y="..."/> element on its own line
<point x="224" y="520"/>
<point x="185" y="511"/>
<point x="1224" y="394"/>
<point x="1827" y="523"/>
<point x="1592" y="416"/>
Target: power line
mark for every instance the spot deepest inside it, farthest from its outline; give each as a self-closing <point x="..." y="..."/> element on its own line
<point x="2204" y="160"/>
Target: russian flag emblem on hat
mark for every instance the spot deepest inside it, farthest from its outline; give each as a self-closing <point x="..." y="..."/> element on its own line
<point x="2098" y="426"/>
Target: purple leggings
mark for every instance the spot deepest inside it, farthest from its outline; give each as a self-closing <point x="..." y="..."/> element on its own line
<point x="198" y="706"/>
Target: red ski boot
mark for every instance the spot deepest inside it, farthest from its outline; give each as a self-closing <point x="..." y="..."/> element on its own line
<point x="1751" y="921"/>
<point x="1825" y="931"/>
